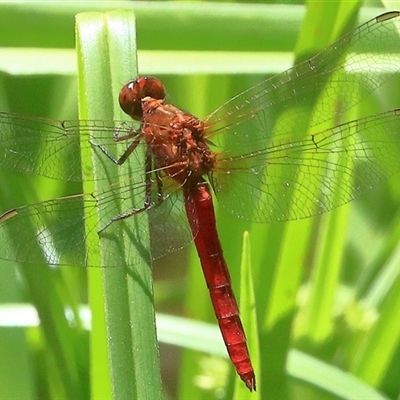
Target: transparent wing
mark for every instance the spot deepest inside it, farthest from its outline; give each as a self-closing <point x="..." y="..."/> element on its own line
<point x="276" y="159"/>
<point x="52" y="148"/>
<point x="65" y="231"/>
<point x="302" y="178"/>
<point x="272" y="167"/>
<point x="58" y="230"/>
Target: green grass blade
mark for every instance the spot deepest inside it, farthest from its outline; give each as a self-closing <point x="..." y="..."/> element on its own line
<point x="329" y="378"/>
<point x="376" y="351"/>
<point x="248" y="316"/>
<point x="107" y="58"/>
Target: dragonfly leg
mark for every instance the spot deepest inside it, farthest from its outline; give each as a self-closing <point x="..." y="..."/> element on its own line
<point x="148" y="203"/>
<point x="136" y="135"/>
<point x="125" y="155"/>
<point x="134" y="211"/>
<point x="150" y="168"/>
<point x="120" y="138"/>
<point x="120" y="217"/>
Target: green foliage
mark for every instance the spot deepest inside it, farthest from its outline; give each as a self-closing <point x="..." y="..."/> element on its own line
<point x="326" y="289"/>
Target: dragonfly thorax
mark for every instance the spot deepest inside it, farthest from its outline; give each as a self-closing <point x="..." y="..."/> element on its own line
<point x="176" y="139"/>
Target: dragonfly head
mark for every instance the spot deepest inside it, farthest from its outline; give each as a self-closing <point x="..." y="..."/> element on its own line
<point x="131" y="95"/>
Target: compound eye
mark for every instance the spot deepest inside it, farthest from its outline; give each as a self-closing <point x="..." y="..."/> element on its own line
<point x="132" y="93"/>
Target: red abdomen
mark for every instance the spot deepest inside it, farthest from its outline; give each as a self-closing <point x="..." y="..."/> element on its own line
<point x="201" y="216"/>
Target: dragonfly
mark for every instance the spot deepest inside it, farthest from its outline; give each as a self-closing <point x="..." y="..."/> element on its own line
<point x="281" y="150"/>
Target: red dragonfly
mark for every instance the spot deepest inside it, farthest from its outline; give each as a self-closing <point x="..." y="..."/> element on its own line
<point x="268" y="154"/>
